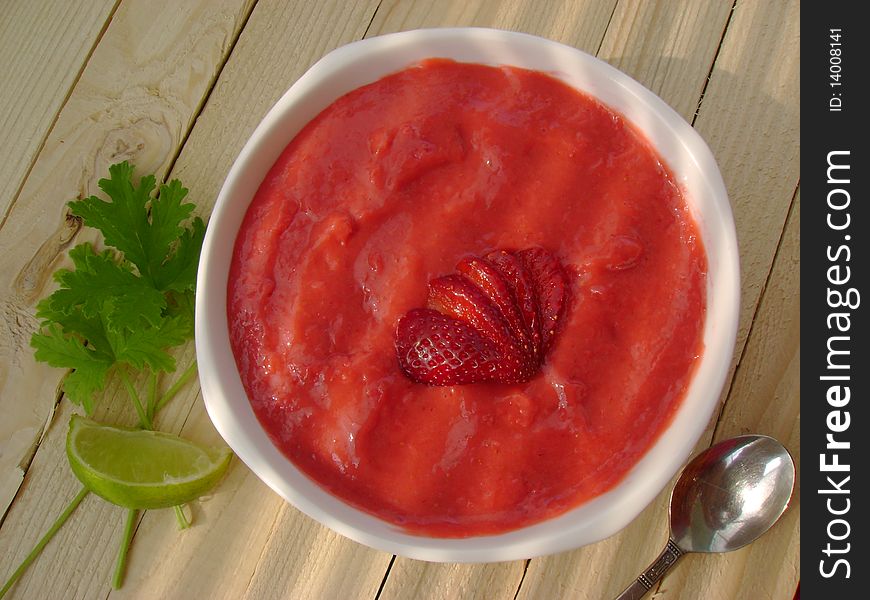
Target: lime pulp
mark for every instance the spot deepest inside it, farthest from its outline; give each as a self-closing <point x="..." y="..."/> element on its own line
<point x="142" y="469"/>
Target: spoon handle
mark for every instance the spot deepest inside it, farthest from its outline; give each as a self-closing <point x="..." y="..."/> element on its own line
<point x="654" y="572"/>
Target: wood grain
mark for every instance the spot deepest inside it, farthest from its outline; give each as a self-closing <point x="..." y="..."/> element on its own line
<point x="78" y="562"/>
<point x="765" y="398"/>
<point x="44" y="46"/>
<point x="576" y="23"/>
<point x="303" y="559"/>
<point x="417" y="579"/>
<point x="280" y="42"/>
<point x="754" y="82"/>
<point x="668" y="46"/>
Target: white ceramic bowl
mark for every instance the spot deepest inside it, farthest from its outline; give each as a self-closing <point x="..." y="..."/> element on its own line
<point x="360" y="63"/>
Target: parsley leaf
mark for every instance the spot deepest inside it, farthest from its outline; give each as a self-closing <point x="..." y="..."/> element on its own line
<point x="145" y="345"/>
<point x="100" y="280"/>
<point x="124" y="307"/>
<point x="179" y="271"/>
<point x="91" y="367"/>
<point x="72" y="321"/>
<point x="146" y="232"/>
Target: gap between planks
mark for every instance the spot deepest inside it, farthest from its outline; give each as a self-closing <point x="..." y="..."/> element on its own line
<point x="523" y="576"/>
<point x="386" y="575"/>
<point x="365" y="35"/>
<point x="713" y="63"/>
<point x="25" y="463"/>
<point x="601" y="43"/>
<point x="205" y="97"/>
<point x="263" y="550"/>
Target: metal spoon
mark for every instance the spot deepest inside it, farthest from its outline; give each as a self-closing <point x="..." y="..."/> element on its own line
<point x="725" y="498"/>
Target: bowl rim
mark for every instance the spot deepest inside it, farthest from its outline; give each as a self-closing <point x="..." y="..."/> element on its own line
<point x="350" y="66"/>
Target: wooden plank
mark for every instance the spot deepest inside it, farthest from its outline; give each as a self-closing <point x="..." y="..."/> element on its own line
<point x="277" y="551"/>
<point x="668" y="46"/>
<point x="578" y="24"/>
<point x="44" y="46"/>
<point x="302" y="559"/>
<point x="136" y="99"/>
<point x="755" y="83"/>
<point x="414" y="579"/>
<point x="760" y="171"/>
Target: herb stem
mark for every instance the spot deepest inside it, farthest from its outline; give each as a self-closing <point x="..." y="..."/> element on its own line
<point x="179" y="383"/>
<point x="183" y="523"/>
<point x="143" y="417"/>
<point x="121" y="564"/>
<point x="151" y="403"/>
<point x="45" y="539"/>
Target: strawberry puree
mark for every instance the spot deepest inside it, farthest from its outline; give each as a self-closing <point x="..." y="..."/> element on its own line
<point x="390" y="187"/>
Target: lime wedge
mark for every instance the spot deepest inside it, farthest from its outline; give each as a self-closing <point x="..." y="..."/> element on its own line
<point x="137" y="468"/>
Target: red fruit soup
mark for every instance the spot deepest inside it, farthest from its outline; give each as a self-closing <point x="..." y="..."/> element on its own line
<point x="390" y="187"/>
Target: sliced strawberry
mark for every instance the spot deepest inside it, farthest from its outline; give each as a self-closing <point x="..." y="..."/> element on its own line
<point x="551" y="289"/>
<point x="523" y="290"/>
<point x="437" y="349"/>
<point x="491" y="282"/>
<point x="457" y="297"/>
<point x="494" y="321"/>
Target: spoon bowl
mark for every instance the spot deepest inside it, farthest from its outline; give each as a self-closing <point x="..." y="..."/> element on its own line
<point x="731" y="494"/>
<point x="725" y="498"/>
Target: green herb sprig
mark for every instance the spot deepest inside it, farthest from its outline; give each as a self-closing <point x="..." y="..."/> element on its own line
<point x="121" y="310"/>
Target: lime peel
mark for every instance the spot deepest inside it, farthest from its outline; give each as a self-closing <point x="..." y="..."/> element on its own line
<point x="142" y="469"/>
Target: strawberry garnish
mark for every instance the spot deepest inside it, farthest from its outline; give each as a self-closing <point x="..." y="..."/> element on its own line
<point x="436" y="349"/>
<point x="551" y="290"/>
<point x="457" y="297"/>
<point x="484" y="275"/>
<point x="494" y="321"/>
<point x="523" y="291"/>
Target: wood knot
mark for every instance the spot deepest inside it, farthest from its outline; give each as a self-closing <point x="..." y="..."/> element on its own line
<point x="33" y="276"/>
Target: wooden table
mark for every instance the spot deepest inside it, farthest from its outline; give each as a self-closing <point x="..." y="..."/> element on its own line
<point x="177" y="87"/>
